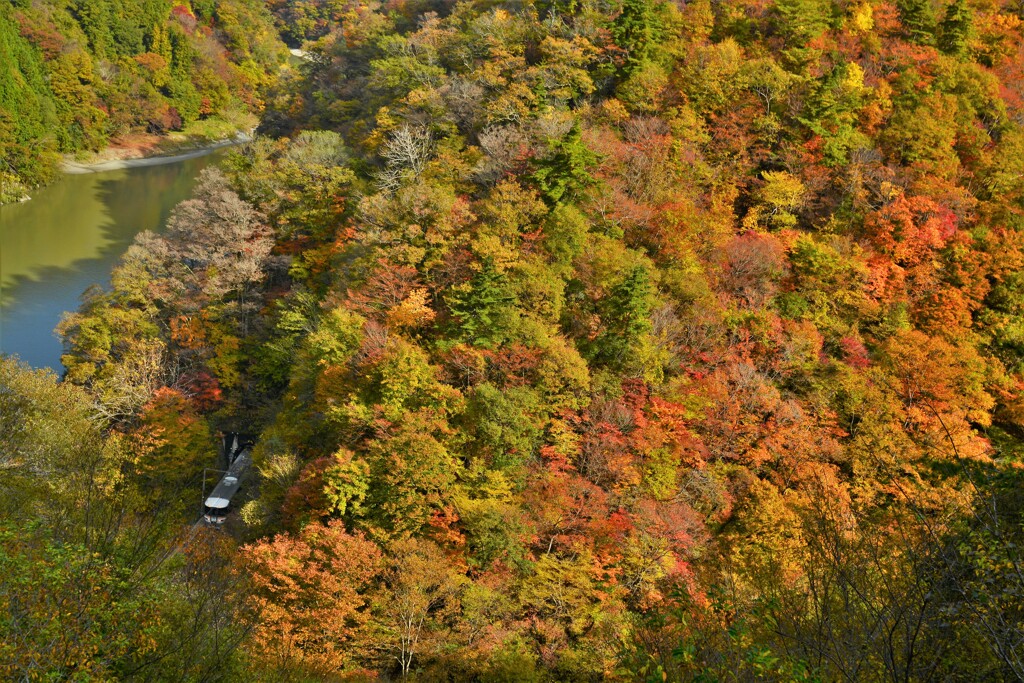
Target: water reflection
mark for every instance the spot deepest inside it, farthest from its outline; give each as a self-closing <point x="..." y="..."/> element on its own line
<point x="69" y="237"/>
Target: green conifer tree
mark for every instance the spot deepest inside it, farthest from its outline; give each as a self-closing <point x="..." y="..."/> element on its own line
<point x="636" y="30"/>
<point x="918" y="18"/>
<point x="802" y="20"/>
<point x="481" y="308"/>
<point x="956" y="28"/>
<point x="566" y="171"/>
<point x="626" y="314"/>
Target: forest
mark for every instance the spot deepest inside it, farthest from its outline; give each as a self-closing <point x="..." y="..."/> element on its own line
<point x="76" y="74"/>
<point x="580" y="340"/>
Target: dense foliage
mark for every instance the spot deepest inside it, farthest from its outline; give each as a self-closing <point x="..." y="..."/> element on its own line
<point x="587" y="340"/>
<point x="76" y="73"/>
<point x="302" y="20"/>
<point x="94" y="582"/>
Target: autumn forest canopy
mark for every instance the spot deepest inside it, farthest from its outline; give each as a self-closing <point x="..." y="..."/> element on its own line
<point x="76" y="74"/>
<point x="580" y="340"/>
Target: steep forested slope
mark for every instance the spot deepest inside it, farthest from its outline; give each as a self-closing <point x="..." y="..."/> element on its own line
<point x="302" y="20"/>
<point x="76" y="73"/>
<point x="600" y="340"/>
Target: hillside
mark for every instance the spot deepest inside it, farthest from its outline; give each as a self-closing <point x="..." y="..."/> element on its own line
<point x="583" y="341"/>
<point x="77" y="74"/>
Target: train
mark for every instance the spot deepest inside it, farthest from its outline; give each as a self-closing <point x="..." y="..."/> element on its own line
<point x="217" y="505"/>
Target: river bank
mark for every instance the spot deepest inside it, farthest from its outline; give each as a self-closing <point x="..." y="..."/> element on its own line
<point x="78" y="168"/>
<point x="140" y="149"/>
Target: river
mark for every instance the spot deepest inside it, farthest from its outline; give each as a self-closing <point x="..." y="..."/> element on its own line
<point x="70" y="236"/>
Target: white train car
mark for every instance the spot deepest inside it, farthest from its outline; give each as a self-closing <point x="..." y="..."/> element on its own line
<point x="218" y="504"/>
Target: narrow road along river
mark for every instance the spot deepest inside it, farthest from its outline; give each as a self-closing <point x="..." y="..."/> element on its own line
<point x="69" y="236"/>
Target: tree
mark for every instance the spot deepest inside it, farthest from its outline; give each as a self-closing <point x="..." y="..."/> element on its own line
<point x="413" y="473"/>
<point x="564" y="173"/>
<point x="918" y="20"/>
<point x="405" y="154"/>
<point x="65" y="613"/>
<point x="182" y="442"/>
<point x="637" y="30"/>
<point x="955" y="31"/>
<point x="310" y="591"/>
<point x="217" y="246"/>
<point x="505" y="423"/>
<point x="418" y="596"/>
<point x="483" y="306"/>
<point x="626" y="316"/>
<point x="47" y="430"/>
<point x="803" y="20"/>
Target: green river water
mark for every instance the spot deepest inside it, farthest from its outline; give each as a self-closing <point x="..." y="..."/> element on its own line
<point x="68" y="237"/>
